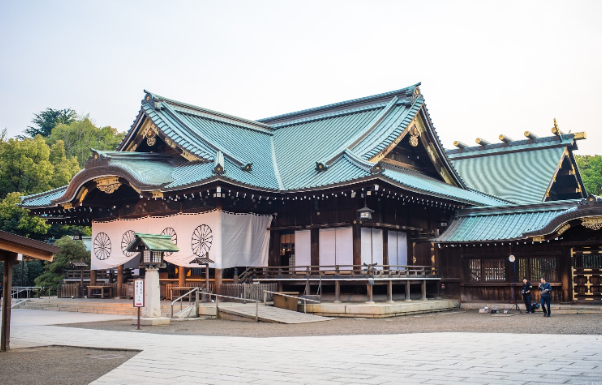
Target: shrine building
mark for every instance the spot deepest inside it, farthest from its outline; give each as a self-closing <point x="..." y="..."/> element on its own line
<point x="356" y="196"/>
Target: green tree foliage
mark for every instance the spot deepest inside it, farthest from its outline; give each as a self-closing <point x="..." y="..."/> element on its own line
<point x="25" y="272"/>
<point x="54" y="271"/>
<point x="16" y="220"/>
<point x="81" y="135"/>
<point x="590" y="167"/>
<point x="30" y="166"/>
<point x="46" y="120"/>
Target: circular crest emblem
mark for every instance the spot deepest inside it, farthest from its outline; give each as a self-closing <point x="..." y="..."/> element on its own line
<point x="174" y="237"/>
<point x="126" y="240"/>
<point x="102" y="246"/>
<point x="202" y="238"/>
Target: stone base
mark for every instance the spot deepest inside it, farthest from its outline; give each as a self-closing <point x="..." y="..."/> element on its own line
<point x="381" y="309"/>
<point x="155" y="321"/>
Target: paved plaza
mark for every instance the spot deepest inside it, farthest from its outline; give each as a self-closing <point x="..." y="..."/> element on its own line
<point x="430" y="358"/>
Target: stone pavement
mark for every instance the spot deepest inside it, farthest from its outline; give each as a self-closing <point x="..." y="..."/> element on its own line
<point x="429" y="358"/>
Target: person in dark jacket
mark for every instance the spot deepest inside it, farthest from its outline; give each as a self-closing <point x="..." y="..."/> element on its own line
<point x="546" y="296"/>
<point x="527" y="294"/>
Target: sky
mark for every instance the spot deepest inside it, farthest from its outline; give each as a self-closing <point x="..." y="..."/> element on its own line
<point x="487" y="68"/>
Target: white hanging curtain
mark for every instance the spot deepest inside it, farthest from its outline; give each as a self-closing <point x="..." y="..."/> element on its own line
<point x="231" y="239"/>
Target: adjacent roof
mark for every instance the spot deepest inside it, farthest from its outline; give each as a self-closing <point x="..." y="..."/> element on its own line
<point x="520" y="171"/>
<point x="152" y="242"/>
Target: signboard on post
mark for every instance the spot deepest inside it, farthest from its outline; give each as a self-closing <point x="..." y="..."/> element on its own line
<point x="139" y="296"/>
<point x="139" y="293"/>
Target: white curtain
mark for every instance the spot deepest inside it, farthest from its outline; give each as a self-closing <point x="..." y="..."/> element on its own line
<point x="302" y="248"/>
<point x="336" y="247"/>
<point x="372" y="245"/>
<point x="398" y="248"/>
<point x="231" y="239"/>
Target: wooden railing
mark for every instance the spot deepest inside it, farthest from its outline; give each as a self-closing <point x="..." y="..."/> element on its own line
<point x="76" y="274"/>
<point x="326" y="272"/>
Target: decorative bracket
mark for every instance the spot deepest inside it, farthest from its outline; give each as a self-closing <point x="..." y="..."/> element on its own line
<point x="108" y="184"/>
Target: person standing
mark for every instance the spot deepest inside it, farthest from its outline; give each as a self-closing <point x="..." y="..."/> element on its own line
<point x="546" y="296"/>
<point x="527" y="294"/>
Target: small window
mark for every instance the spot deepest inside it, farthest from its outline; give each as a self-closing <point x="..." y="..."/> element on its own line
<point x="474" y="265"/>
<point x="535" y="268"/>
<point x="494" y="270"/>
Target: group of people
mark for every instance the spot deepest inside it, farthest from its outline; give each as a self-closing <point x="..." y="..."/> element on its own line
<point x="546" y="296"/>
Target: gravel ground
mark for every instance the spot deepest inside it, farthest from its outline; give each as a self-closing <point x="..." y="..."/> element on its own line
<point x="59" y="365"/>
<point x="456" y="321"/>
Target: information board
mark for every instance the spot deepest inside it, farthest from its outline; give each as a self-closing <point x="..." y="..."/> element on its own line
<point x="139" y="293"/>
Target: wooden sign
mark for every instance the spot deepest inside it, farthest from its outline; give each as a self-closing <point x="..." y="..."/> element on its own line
<point x="139" y="293"/>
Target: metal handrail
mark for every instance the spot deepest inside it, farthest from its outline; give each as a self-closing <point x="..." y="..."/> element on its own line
<point x="189" y="294"/>
<point x="15" y="290"/>
<point x="266" y="292"/>
<point x="217" y="296"/>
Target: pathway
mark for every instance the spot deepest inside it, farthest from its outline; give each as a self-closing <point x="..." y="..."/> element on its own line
<point x="434" y="358"/>
<point x="271" y="314"/>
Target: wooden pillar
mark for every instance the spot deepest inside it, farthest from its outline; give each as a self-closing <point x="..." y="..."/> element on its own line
<point x="6" y="300"/>
<point x="119" y="281"/>
<point x="385" y="247"/>
<point x="315" y="248"/>
<point x="207" y="286"/>
<point x="565" y="266"/>
<point x="181" y="276"/>
<point x="357" y="245"/>
<point x="463" y="267"/>
<point x="218" y="281"/>
<point x="424" y="289"/>
<point x="390" y="291"/>
<point x="92" y="277"/>
<point x="307" y="288"/>
<point x="274" y="258"/>
<point x="370" y="293"/>
<point x="408" y="296"/>
<point x="337" y="291"/>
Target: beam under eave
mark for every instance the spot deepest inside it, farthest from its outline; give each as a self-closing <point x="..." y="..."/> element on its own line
<point x="27" y="251"/>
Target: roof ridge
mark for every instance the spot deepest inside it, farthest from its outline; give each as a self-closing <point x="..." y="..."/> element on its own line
<point x="326" y="106"/>
<point x="328" y="115"/>
<point x="157" y="97"/>
<point x="517" y="145"/>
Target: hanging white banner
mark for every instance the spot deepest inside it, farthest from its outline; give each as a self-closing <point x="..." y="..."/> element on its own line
<point x="231" y="239"/>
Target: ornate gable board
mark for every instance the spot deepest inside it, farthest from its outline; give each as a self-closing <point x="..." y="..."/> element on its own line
<point x="421" y="134"/>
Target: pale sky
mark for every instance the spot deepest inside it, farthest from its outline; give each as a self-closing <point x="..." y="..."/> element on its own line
<point x="486" y="67"/>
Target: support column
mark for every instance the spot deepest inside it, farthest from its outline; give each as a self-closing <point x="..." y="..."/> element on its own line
<point x="119" y="281"/>
<point x="207" y="286"/>
<point x="6" y="301"/>
<point x="424" y="289"/>
<point x="357" y="245"/>
<point x="181" y="276"/>
<point x="337" y="291"/>
<point x="385" y="247"/>
<point x="315" y="247"/>
<point x="151" y="312"/>
<point x="307" y="288"/>
<point x="370" y="293"/>
<point x="408" y="295"/>
<point x="92" y="277"/>
<point x="390" y="291"/>
<point x="218" y="281"/>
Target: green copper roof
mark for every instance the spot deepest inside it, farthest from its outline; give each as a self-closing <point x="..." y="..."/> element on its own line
<point x="153" y="242"/>
<point x="42" y="199"/>
<point x="504" y="223"/>
<point x="501" y="169"/>
<point x="283" y="150"/>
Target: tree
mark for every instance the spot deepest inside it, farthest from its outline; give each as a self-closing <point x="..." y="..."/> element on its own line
<point x="590" y="167"/>
<point x="46" y="120"/>
<point x="54" y="271"/>
<point x="29" y="166"/>
<point x="16" y="220"/>
<point x="81" y="135"/>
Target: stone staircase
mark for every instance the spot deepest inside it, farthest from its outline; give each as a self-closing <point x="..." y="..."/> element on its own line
<point x="89" y="306"/>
